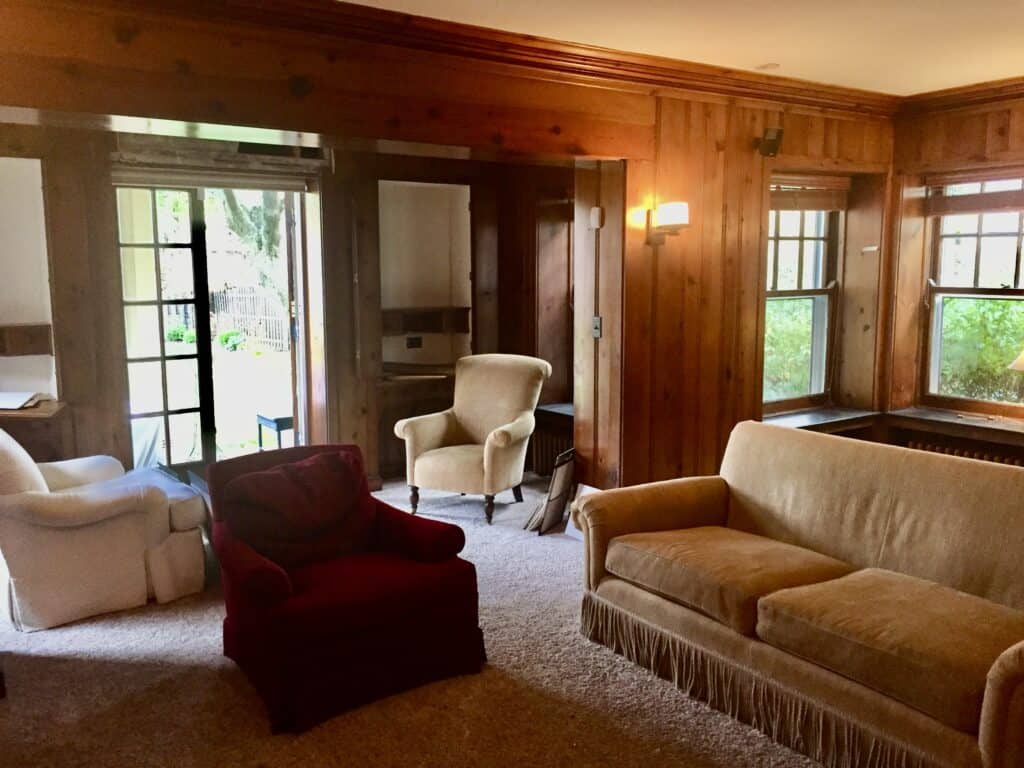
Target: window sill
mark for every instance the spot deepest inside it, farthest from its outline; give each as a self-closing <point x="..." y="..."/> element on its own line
<point x="996" y="429"/>
<point x="828" y="419"/>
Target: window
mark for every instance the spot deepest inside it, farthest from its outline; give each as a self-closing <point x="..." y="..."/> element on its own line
<point x="802" y="244"/>
<point x="975" y="295"/>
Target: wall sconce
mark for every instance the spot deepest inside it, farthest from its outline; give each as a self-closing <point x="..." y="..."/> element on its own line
<point x="666" y="219"/>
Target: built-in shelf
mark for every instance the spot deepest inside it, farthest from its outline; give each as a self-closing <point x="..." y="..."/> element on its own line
<point x="25" y="339"/>
<point x="399" y="322"/>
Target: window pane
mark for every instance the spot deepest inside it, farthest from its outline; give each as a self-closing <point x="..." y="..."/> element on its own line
<point x="142" y="331"/>
<point x="789" y="223"/>
<point x="182" y="384"/>
<point x="1007" y="222"/>
<point x="971" y="188"/>
<point x="138" y="274"/>
<point x="1002" y="185"/>
<point x="787" y="348"/>
<point x="176" y="273"/>
<point x="771" y="262"/>
<point x="814" y="264"/>
<point x="789" y="264"/>
<point x="976" y="339"/>
<point x="998" y="262"/>
<point x="180" y="329"/>
<point x="145" y="387"/>
<point x="966" y="224"/>
<point x="134" y="215"/>
<point x="148" y="441"/>
<point x="172" y="215"/>
<point x="956" y="261"/>
<point x="814" y="223"/>
<point x="771" y="223"/>
<point x="186" y="438"/>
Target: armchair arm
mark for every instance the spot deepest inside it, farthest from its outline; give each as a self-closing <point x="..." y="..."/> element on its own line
<point x="684" y="503"/>
<point x="1001" y="735"/>
<point x="81" y="506"/>
<point x="249" y="577"/>
<point x="417" y="538"/>
<point x="519" y="429"/>
<point x="424" y="433"/>
<point x="60" y="475"/>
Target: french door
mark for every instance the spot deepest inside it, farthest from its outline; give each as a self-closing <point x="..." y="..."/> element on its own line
<point x="166" y="298"/>
<point x="209" y="280"/>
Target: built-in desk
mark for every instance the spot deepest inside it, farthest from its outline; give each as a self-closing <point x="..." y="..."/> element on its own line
<point x="44" y="430"/>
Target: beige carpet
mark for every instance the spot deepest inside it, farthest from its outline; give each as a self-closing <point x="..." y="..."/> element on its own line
<point x="151" y="688"/>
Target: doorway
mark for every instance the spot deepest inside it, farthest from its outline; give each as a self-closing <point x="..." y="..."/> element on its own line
<point x="208" y="278"/>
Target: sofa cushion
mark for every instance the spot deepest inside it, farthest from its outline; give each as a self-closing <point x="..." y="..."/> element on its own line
<point x="921" y="643"/>
<point x="301" y="513"/>
<point x="717" y="571"/>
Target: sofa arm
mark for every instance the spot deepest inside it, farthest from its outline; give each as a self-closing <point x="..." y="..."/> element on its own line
<point x="417" y="538"/>
<point x="81" y="506"/>
<point x="1001" y="735"/>
<point x="60" y="475"/>
<point x="249" y="577"/>
<point x="684" y="503"/>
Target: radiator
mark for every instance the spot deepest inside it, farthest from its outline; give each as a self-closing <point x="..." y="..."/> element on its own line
<point x="967" y="453"/>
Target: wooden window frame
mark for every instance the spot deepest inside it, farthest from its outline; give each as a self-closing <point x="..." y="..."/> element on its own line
<point x="829" y="291"/>
<point x="937" y="206"/>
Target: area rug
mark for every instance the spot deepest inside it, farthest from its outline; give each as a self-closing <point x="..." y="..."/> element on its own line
<point x="150" y="687"/>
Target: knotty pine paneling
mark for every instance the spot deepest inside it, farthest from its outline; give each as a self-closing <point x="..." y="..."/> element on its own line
<point x="987" y="136"/>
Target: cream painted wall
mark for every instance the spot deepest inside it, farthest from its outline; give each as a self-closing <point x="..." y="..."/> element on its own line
<point x="425" y="261"/>
<point x="25" y="286"/>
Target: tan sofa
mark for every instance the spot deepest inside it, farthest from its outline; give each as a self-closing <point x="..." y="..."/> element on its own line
<point x="860" y="603"/>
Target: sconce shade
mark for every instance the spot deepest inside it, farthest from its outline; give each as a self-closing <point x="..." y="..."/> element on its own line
<point x="1018" y="364"/>
<point x="670" y="217"/>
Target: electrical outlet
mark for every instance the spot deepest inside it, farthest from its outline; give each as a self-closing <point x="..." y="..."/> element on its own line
<point x="413" y="342"/>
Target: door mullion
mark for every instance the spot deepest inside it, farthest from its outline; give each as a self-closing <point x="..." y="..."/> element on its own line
<point x="204" y="346"/>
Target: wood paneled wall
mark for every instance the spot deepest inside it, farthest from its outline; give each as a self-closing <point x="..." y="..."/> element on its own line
<point x="689" y="313"/>
<point x="693" y="307"/>
<point x="989" y="135"/>
<point x="85" y="281"/>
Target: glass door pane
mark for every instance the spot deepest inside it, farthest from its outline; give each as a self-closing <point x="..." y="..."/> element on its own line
<point x="158" y="260"/>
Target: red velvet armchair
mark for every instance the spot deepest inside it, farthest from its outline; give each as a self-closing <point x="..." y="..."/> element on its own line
<point x="364" y="602"/>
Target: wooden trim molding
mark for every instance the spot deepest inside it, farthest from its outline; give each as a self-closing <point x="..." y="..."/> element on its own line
<point x="346" y="21"/>
<point x="964" y="97"/>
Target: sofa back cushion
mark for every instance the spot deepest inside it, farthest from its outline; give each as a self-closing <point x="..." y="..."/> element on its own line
<point x="492" y="390"/>
<point x="958" y="522"/>
<point x="18" y="473"/>
<point x="302" y="512"/>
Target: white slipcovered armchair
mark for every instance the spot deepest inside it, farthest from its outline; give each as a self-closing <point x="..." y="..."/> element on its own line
<point x="478" y="445"/>
<point x="81" y="537"/>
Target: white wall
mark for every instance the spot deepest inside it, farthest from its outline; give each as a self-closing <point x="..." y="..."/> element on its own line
<point x="25" y="283"/>
<point x="425" y="261"/>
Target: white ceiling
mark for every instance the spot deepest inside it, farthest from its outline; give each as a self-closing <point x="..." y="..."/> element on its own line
<point x="899" y="47"/>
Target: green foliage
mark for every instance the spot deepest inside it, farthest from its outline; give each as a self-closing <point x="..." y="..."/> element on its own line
<point x="979" y="339"/>
<point x="787" y="348"/>
<point x="189" y="336"/>
<point x="232" y="340"/>
<point x="177" y="333"/>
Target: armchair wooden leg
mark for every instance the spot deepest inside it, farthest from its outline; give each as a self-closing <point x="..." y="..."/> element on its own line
<point x="414" y="497"/>
<point x="518" y="493"/>
<point x="489" y="507"/>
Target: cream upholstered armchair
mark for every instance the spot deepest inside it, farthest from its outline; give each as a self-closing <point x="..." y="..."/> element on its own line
<point x="82" y="537"/>
<point x="478" y="445"/>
